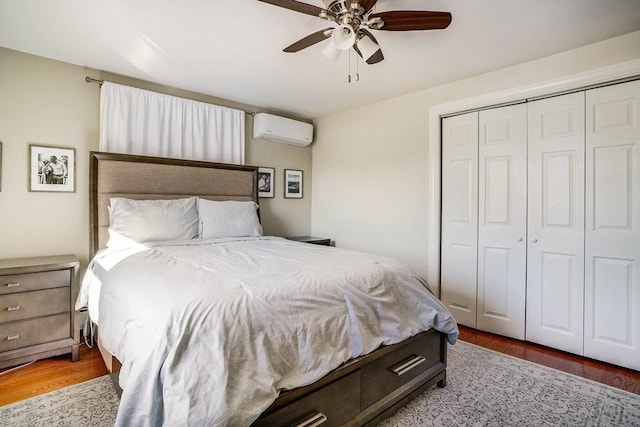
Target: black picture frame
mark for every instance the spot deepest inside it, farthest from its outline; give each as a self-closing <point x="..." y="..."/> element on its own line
<point x="293" y="184"/>
<point x="266" y="182"/>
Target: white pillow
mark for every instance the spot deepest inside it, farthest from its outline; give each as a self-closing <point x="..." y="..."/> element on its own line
<point x="152" y="220"/>
<point x="228" y="219"/>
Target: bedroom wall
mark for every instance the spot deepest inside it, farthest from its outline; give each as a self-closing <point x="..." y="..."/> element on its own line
<point x="48" y="102"/>
<point x="370" y="164"/>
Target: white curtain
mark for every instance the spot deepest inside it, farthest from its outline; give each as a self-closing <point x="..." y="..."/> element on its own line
<point x="137" y="121"/>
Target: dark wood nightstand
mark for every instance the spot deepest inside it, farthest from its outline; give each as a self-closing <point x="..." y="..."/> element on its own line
<point x="313" y="240"/>
<point x="37" y="314"/>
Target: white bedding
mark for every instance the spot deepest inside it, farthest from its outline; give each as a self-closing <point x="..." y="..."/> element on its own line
<point x="209" y="332"/>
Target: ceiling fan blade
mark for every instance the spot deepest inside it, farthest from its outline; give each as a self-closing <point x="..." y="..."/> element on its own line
<point x="367" y="5"/>
<point x="310" y="40"/>
<point x="296" y="6"/>
<point x="376" y="57"/>
<point x="410" y="20"/>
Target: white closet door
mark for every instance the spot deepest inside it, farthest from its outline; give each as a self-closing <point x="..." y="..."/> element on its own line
<point x="612" y="285"/>
<point x="502" y="223"/>
<point x="460" y="216"/>
<point x="555" y="259"/>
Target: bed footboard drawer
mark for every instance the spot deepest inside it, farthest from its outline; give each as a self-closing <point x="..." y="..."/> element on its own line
<point x="332" y="405"/>
<point x="392" y="371"/>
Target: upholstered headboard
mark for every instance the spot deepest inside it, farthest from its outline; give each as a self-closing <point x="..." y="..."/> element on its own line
<point x="142" y="177"/>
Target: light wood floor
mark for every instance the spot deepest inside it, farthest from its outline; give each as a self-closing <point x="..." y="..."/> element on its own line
<point x="58" y="372"/>
<point x="50" y="374"/>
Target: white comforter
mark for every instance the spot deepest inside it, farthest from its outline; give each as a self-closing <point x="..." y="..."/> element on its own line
<point x="209" y="332"/>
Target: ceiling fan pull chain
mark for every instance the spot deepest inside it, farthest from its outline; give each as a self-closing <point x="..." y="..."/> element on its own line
<point x="357" y="79"/>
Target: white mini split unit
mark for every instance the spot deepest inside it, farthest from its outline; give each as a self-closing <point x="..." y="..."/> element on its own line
<point x="281" y="129"/>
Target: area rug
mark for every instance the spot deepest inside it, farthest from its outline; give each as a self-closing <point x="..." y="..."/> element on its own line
<point x="484" y="388"/>
<point x="487" y="388"/>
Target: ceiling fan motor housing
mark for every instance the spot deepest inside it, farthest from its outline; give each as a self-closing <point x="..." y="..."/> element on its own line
<point x="342" y="8"/>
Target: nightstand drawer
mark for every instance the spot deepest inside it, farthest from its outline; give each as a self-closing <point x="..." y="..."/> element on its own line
<point x="34" y="281"/>
<point x="26" y="333"/>
<point x="25" y="305"/>
<point x="333" y="405"/>
<point x="396" y="369"/>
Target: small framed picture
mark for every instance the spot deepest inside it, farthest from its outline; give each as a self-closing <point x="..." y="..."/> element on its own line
<point x="52" y="168"/>
<point x="266" y="182"/>
<point x="292" y="184"/>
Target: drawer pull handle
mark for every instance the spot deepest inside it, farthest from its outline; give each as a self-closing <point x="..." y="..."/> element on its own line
<point x="13" y="337"/>
<point x="313" y="421"/>
<point x="405" y="367"/>
<point x="13" y="307"/>
<point x="13" y="285"/>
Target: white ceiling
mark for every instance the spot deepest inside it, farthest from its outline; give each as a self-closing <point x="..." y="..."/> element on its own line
<point x="232" y="49"/>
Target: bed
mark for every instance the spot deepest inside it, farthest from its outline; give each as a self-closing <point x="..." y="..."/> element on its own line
<point x="221" y="329"/>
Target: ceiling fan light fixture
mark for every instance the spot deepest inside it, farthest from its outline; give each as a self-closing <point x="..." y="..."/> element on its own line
<point x="367" y="47"/>
<point x="343" y="37"/>
<point x="331" y="52"/>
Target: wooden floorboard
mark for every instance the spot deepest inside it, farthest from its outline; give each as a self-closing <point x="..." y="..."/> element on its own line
<point x="57" y="372"/>
<point x="50" y="374"/>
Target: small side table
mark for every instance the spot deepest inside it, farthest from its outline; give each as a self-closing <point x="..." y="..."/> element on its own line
<point x="37" y="315"/>
<point x="313" y="240"/>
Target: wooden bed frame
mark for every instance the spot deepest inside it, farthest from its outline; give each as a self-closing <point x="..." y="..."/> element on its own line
<point x="362" y="391"/>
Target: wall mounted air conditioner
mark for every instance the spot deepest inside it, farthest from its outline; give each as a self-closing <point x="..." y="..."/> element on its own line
<point x="275" y="128"/>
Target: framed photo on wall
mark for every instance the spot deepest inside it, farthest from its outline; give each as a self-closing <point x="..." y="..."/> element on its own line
<point x="292" y="184"/>
<point x="266" y="182"/>
<point x="52" y="168"/>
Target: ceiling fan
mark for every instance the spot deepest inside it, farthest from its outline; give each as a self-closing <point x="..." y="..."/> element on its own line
<point x="355" y="18"/>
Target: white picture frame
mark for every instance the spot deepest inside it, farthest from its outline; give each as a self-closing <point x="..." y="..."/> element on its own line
<point x="52" y="168"/>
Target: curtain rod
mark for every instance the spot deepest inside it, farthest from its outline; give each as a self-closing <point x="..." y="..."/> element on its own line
<point x="92" y="80"/>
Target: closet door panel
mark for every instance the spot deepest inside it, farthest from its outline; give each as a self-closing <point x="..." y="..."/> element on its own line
<point x="502" y="213"/>
<point x="612" y="241"/>
<point x="555" y="253"/>
<point x="460" y="216"/>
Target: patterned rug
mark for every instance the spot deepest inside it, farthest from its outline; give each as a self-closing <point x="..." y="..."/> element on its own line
<point x="484" y="388"/>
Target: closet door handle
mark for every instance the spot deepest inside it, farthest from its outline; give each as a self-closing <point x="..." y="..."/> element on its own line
<point x="534" y="240"/>
<point x="520" y="239"/>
